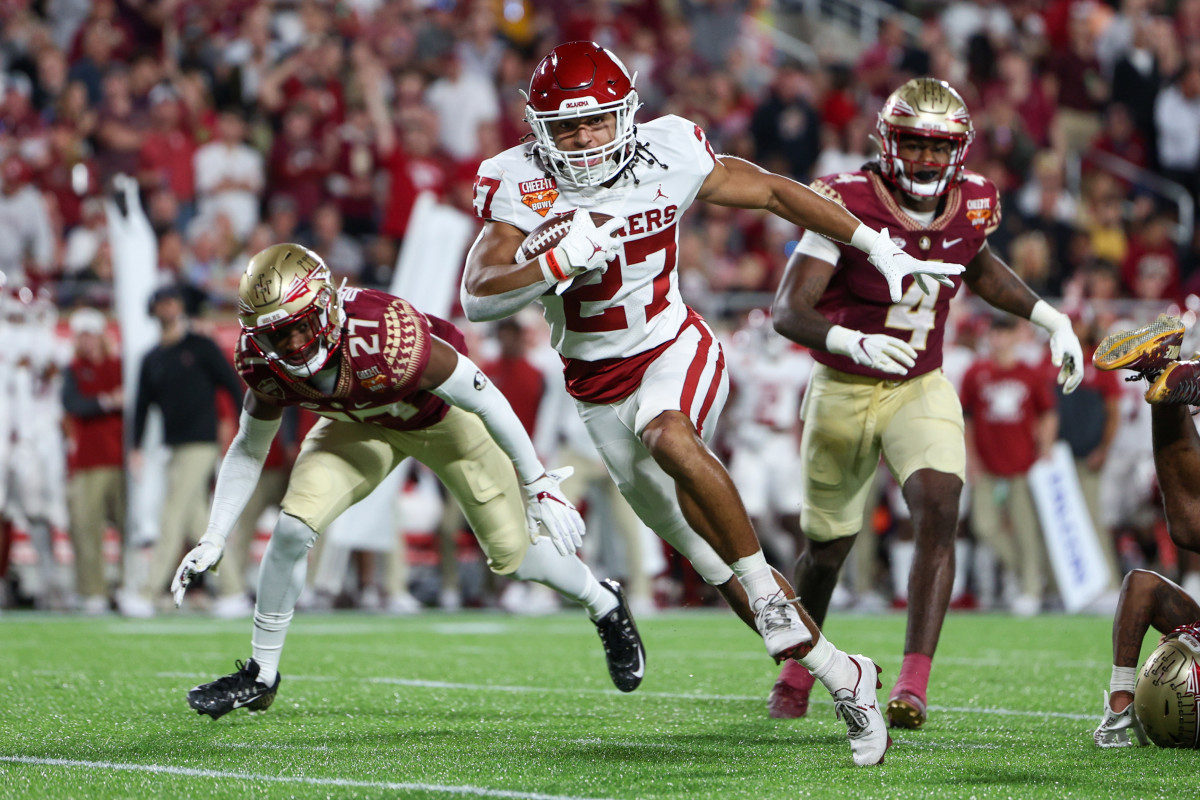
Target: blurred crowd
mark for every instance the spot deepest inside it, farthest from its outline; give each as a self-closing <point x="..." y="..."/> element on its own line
<point x="249" y="122"/>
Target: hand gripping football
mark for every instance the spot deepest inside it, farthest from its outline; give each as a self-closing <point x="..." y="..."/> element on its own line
<point x="545" y="237"/>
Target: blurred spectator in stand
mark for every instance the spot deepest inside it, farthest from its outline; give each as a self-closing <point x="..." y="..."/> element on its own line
<point x="1011" y="423"/>
<point x="249" y="56"/>
<point x="181" y="376"/>
<point x="18" y="117"/>
<point x="479" y="47"/>
<point x="299" y="164"/>
<point x="1030" y="257"/>
<point x="1101" y="216"/>
<point x="677" y="60"/>
<point x="1138" y="76"/>
<point x="889" y="62"/>
<point x="121" y="126"/>
<point x="1079" y="86"/>
<point x="283" y="219"/>
<point x="1151" y="268"/>
<point x="51" y="79"/>
<point x="229" y="175"/>
<point x="1119" y="137"/>
<point x="1177" y="116"/>
<point x="67" y="173"/>
<point x="1044" y="203"/>
<point x="521" y="383"/>
<point x="351" y="182"/>
<point x="96" y="59"/>
<point x="1088" y="421"/>
<point x="1026" y="92"/>
<point x="343" y="254"/>
<point x="786" y="127"/>
<point x="27" y="243"/>
<point x="461" y="100"/>
<point x="168" y="153"/>
<point x="93" y="399"/>
<point x="84" y="241"/>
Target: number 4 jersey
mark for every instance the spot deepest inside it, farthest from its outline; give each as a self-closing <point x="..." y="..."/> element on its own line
<point x="635" y="304"/>
<point x="857" y="295"/>
<point x="384" y="350"/>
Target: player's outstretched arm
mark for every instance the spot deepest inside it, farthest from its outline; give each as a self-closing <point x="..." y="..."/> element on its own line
<point x="457" y="380"/>
<point x="738" y="183"/>
<point x="990" y="278"/>
<point x="236" y="480"/>
<point x="795" y="317"/>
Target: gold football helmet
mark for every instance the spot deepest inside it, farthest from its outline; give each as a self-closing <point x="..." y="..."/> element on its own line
<point x="1167" y="697"/>
<point x="931" y="109"/>
<point x="290" y="311"/>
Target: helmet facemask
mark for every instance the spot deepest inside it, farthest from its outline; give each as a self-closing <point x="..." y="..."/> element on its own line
<point x="595" y="165"/>
<point x="925" y="108"/>
<point x="319" y="345"/>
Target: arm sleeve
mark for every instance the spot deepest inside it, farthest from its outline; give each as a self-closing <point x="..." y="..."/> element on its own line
<point x="75" y="402"/>
<point x="469" y="389"/>
<point x="498" y="306"/>
<point x="238" y="475"/>
<point x="815" y="245"/>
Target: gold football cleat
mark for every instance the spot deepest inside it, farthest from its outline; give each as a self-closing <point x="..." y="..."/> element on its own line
<point x="1148" y="349"/>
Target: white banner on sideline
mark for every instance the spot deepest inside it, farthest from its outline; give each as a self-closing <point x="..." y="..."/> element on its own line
<point x="1079" y="565"/>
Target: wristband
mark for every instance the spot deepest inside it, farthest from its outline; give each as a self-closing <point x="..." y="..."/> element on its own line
<point x="1044" y="316"/>
<point x="551" y="270"/>
<point x="864" y="238"/>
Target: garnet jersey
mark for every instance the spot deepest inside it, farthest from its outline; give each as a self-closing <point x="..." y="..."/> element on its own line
<point x="635" y="304"/>
<point x="384" y="350"/>
<point x="857" y="295"/>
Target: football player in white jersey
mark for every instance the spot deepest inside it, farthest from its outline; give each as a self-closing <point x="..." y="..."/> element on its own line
<point x="646" y="372"/>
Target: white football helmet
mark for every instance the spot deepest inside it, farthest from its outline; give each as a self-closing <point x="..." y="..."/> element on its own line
<point x="284" y="286"/>
<point x="929" y="108"/>
<point x="582" y="79"/>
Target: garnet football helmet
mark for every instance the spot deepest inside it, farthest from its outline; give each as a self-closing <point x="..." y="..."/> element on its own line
<point x="582" y="79"/>
<point x="1167" y="697"/>
<point x="929" y="108"/>
<point x="283" y="287"/>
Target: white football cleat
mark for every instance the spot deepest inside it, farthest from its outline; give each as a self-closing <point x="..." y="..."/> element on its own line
<point x="857" y="706"/>
<point x="779" y="623"/>
<point x="1115" y="727"/>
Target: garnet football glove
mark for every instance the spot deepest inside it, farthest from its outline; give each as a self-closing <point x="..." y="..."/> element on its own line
<point x="875" y="350"/>
<point x="548" y="511"/>
<point x="1065" y="351"/>
<point x="893" y="263"/>
<point x="201" y="558"/>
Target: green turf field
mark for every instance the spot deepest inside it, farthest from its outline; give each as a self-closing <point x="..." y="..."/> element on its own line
<point x="487" y="705"/>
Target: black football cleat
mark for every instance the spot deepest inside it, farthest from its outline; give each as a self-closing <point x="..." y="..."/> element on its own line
<point x="242" y="689"/>
<point x="622" y="644"/>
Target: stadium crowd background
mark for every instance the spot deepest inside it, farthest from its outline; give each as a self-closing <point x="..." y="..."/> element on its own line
<point x="247" y="123"/>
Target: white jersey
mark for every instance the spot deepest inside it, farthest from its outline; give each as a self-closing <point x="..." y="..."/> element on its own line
<point x="635" y="305"/>
<point x="770" y="375"/>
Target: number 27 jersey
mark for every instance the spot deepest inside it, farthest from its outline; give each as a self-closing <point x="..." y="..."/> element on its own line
<point x="857" y="295"/>
<point x="635" y="305"/>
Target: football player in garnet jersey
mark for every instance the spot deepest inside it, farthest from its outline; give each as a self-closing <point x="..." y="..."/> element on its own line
<point x="878" y="386"/>
<point x="1148" y="599"/>
<point x="646" y="372"/>
<point x="390" y="383"/>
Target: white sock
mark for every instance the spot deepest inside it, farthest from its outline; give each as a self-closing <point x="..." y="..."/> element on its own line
<point x="566" y="575"/>
<point x="267" y="644"/>
<point x="1123" y="679"/>
<point x="827" y="664"/>
<point x="756" y="577"/>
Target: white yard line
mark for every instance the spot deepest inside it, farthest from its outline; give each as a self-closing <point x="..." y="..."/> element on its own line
<point x="188" y="772"/>
<point x="484" y="687"/>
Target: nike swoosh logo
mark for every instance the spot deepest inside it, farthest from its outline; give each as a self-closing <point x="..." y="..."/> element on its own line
<point x="641" y="668"/>
<point x="362" y="405"/>
<point x="950" y="243"/>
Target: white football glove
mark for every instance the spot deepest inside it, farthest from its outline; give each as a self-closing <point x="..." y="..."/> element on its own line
<point x="1065" y="351"/>
<point x="201" y="558"/>
<point x="584" y="248"/>
<point x="876" y="350"/>
<point x="547" y="508"/>
<point x="893" y="263"/>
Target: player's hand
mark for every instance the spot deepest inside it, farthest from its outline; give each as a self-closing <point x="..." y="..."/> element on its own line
<point x="875" y="350"/>
<point x="202" y="557"/>
<point x="1065" y="351"/>
<point x="548" y="512"/>
<point x="586" y="247"/>
<point x="893" y="263"/>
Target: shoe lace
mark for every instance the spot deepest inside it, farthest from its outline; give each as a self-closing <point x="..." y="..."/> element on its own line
<point x="235" y="682"/>
<point x="852" y="714"/>
<point x="772" y="615"/>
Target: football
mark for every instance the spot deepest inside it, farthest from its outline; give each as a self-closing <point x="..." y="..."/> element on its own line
<point x="545" y="236"/>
